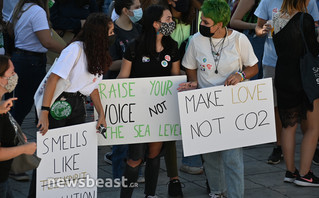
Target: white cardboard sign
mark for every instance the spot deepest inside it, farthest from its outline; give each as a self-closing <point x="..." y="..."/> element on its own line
<point x="140" y="110"/>
<point x="220" y="118"/>
<point x="68" y="154"/>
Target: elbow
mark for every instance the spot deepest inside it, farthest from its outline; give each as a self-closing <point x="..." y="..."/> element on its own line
<point x="232" y="23"/>
<point x="47" y="44"/>
<point x="255" y="70"/>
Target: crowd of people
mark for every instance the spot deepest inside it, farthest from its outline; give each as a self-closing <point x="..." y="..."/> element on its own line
<point x="241" y="39"/>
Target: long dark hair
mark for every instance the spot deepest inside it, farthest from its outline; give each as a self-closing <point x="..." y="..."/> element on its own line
<point x="94" y="36"/>
<point x="4" y="64"/>
<point x="147" y="40"/>
<point x="18" y="9"/>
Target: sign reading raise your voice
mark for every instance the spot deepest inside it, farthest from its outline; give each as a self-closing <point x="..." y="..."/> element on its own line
<point x="140" y="110"/>
<point x="221" y="118"/>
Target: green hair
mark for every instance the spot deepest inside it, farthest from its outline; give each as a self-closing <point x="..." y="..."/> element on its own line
<point x="216" y="10"/>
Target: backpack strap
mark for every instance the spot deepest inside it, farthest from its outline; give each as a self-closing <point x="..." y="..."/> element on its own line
<point x="238" y="50"/>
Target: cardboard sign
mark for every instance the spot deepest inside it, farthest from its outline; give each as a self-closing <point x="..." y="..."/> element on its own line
<point x="69" y="161"/>
<point x="220" y="118"/>
<point x="140" y="110"/>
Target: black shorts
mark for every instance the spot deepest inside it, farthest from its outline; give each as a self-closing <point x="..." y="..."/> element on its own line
<point x="140" y="151"/>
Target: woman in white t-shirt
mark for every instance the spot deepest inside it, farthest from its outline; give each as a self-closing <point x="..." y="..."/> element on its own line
<point x="32" y="39"/>
<point x="83" y="63"/>
<point x="219" y="56"/>
<point x="84" y="74"/>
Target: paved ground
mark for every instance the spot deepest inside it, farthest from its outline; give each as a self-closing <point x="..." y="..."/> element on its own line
<point x="261" y="180"/>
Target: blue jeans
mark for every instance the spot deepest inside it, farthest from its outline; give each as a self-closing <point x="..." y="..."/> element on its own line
<point x="5" y="190"/>
<point x="119" y="153"/>
<point x="225" y="172"/>
<point x="258" y="46"/>
<point x="192" y="161"/>
<point x="31" y="71"/>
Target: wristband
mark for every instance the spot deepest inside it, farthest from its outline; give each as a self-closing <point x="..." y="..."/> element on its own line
<point x="244" y="75"/>
<point x="43" y="108"/>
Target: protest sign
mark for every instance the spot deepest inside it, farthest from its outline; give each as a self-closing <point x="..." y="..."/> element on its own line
<point x="225" y="117"/>
<point x="69" y="162"/>
<point x="140" y="110"/>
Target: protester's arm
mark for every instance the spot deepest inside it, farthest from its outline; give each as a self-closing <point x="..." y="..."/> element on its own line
<point x="48" y="42"/>
<point x="176" y="68"/>
<point x="125" y="69"/>
<point x="192" y="81"/>
<point x="262" y="28"/>
<point x="43" y="123"/>
<point x="99" y="108"/>
<point x="116" y="65"/>
<point x="7" y="153"/>
<point x="233" y="79"/>
<point x="6" y="105"/>
<point x="236" y="21"/>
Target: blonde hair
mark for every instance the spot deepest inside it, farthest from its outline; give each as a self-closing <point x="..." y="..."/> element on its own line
<point x="289" y="6"/>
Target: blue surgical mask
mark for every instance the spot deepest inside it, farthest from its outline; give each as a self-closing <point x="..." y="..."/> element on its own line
<point x="138" y="13"/>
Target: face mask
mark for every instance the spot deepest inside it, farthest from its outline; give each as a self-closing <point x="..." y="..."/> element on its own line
<point x="111" y="40"/>
<point x="12" y="83"/>
<point x="167" y="28"/>
<point x="205" y="31"/>
<point x="181" y="5"/>
<point x="138" y="13"/>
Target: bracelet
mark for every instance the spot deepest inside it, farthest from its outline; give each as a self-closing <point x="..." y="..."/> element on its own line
<point x="43" y="108"/>
<point x="242" y="76"/>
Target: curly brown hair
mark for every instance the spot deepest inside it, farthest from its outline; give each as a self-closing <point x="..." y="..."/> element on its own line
<point x="94" y="36"/>
<point x="4" y="64"/>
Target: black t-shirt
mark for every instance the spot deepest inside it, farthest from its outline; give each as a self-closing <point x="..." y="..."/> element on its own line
<point x="123" y="37"/>
<point x="151" y="65"/>
<point x="7" y="135"/>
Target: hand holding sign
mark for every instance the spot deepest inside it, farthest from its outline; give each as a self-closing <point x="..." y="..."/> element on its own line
<point x="225" y="117"/>
<point x="187" y="86"/>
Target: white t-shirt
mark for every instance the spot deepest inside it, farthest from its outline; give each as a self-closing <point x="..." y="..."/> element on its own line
<point x="266" y="10"/>
<point x="81" y="80"/>
<point x="199" y="56"/>
<point x="32" y="20"/>
<point x="8" y="7"/>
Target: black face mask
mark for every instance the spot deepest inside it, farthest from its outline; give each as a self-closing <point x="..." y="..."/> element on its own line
<point x="111" y="40"/>
<point x="182" y="5"/>
<point x="205" y="31"/>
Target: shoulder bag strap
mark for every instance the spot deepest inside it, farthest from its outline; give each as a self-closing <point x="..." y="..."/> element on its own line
<point x="79" y="54"/>
<point x="302" y="33"/>
<point x="238" y="50"/>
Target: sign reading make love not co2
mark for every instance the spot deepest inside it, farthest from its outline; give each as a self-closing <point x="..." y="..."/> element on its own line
<point x="140" y="110"/>
<point x="221" y="118"/>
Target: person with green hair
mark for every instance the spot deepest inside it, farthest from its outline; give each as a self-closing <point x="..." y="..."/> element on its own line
<point x="220" y="56"/>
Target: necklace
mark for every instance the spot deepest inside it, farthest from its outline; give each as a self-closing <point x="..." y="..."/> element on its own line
<point x="217" y="52"/>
